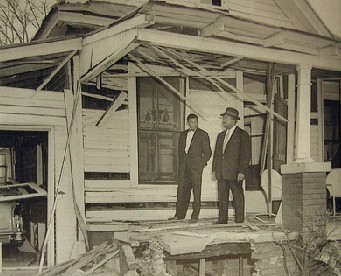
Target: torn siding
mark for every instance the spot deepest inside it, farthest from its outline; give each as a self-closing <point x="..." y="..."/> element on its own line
<point x="106" y="148"/>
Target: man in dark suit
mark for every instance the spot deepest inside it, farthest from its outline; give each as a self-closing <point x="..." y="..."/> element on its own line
<point x="231" y="160"/>
<point x="194" y="151"/>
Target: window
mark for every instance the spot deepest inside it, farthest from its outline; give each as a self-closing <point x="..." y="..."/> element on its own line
<point x="160" y="119"/>
<point x="217" y="3"/>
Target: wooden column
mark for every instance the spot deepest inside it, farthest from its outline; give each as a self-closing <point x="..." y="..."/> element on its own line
<point x="133" y="139"/>
<point x="303" y="114"/>
<point x="202" y="268"/>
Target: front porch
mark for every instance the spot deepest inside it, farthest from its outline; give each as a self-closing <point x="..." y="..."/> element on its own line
<point x="121" y="164"/>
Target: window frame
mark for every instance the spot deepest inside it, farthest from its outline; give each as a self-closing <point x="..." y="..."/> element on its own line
<point x="159" y="131"/>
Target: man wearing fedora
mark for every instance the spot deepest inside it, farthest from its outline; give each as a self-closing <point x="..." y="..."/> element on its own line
<point x="231" y="160"/>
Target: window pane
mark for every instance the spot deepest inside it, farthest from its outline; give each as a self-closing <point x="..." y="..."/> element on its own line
<point x="147" y="156"/>
<point x="160" y="115"/>
<point x="167" y="143"/>
<point x="147" y="103"/>
<point x="169" y="106"/>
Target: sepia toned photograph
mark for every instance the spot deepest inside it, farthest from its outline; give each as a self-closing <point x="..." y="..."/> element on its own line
<point x="170" y="137"/>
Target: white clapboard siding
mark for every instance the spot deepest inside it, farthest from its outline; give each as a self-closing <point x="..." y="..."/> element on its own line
<point x="106" y="148"/>
<point x="265" y="11"/>
<point x="46" y="110"/>
<point x="105" y="185"/>
<point x="27" y="107"/>
<point x="131" y="195"/>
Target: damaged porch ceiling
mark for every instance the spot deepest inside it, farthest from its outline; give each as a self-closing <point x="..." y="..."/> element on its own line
<point x="153" y="55"/>
<point x="215" y="24"/>
<point x="33" y="65"/>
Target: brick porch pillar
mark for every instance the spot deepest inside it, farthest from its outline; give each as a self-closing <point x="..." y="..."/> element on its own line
<point x="303" y="194"/>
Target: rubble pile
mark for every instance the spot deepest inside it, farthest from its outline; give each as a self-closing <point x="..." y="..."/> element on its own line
<point x="113" y="258"/>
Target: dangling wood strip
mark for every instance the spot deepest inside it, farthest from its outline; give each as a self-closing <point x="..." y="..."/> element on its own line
<point x="54" y="72"/>
<point x="267" y="141"/>
<point x="169" y="86"/>
<point x="189" y="71"/>
<point x="113" y="107"/>
<point x="239" y="93"/>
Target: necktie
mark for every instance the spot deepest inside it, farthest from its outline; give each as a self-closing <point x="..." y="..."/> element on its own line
<point x="225" y="140"/>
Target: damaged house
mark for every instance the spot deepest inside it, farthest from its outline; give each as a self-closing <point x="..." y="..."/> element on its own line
<point x="91" y="109"/>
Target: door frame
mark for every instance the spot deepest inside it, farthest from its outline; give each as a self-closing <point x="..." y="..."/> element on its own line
<point x="50" y="180"/>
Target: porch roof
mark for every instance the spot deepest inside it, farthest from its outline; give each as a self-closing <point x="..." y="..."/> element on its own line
<point x="212" y="39"/>
<point x="32" y="65"/>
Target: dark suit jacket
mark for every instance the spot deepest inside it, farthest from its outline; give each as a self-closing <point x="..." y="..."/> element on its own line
<point x="199" y="152"/>
<point x="236" y="157"/>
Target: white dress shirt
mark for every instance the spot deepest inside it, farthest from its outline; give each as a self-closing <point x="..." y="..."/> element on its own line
<point x="228" y="135"/>
<point x="189" y="137"/>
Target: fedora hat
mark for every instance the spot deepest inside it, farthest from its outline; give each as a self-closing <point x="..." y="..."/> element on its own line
<point x="231" y="112"/>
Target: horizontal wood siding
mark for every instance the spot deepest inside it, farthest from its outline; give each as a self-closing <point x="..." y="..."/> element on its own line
<point x="106" y="148"/>
<point x="25" y="107"/>
<point x="264" y="11"/>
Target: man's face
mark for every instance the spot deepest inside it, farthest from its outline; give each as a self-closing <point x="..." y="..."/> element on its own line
<point x="228" y="121"/>
<point x="192" y="123"/>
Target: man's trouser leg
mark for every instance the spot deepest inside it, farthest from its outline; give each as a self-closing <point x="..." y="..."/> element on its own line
<point x="196" y="179"/>
<point x="238" y="198"/>
<point x="223" y="198"/>
<point x="183" y="194"/>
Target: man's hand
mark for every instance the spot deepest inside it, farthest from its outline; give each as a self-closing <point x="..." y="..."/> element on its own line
<point x="240" y="177"/>
<point x="214" y="178"/>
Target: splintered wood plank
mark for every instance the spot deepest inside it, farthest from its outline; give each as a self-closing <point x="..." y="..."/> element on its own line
<point x="113" y="107"/>
<point x="215" y="251"/>
<point x="55" y="71"/>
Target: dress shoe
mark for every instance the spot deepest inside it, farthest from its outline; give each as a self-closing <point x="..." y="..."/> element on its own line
<point x="239" y="221"/>
<point x="193" y="221"/>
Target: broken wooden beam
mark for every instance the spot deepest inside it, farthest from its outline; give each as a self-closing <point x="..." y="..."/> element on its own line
<point x="169" y="86"/>
<point x="112" y="108"/>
